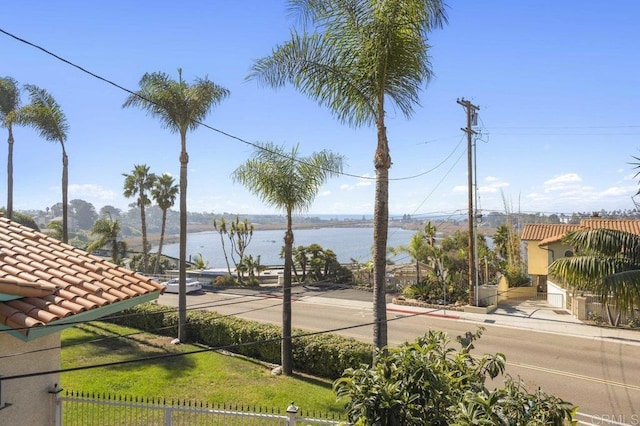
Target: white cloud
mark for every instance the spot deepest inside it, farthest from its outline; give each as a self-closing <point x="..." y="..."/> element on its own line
<point x="493" y="184"/>
<point x="324" y="193"/>
<point x="91" y="191"/>
<point x="346" y="187"/>
<point x="565" y="182"/>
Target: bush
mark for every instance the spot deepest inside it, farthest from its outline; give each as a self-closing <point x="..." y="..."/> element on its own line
<point x="516" y="277"/>
<point x="323" y="355"/>
<point x="428" y="382"/>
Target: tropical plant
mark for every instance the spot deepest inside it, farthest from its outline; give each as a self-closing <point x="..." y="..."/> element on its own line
<point x="138" y="183"/>
<point x="107" y="232"/>
<point x="313" y="264"/>
<point x="9" y="112"/>
<point x="199" y="262"/>
<point x="55" y="229"/>
<point x="180" y="107"/>
<point x="418" y="249"/>
<point x="239" y="235"/>
<point x="136" y="263"/>
<point x="352" y="56"/>
<point x="607" y="263"/>
<point x="164" y="193"/>
<point x="429" y="382"/>
<point x="290" y="182"/>
<point x="45" y="115"/>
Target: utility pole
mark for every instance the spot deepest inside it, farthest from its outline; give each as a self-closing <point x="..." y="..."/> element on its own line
<point x="471" y="111"/>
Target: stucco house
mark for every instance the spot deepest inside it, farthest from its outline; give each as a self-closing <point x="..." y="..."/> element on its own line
<point x="543" y="243"/>
<point x="45" y="287"/>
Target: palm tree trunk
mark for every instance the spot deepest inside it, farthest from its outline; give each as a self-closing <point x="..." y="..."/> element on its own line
<point x="287" y="352"/>
<point x="65" y="204"/>
<point x="182" y="267"/>
<point x="162" y="231"/>
<point x="145" y="248"/>
<point x="382" y="163"/>
<point x="10" y="174"/>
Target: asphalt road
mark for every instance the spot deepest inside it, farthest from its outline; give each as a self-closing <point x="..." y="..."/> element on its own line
<point x="601" y="377"/>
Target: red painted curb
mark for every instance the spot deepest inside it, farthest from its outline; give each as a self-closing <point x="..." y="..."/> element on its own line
<point x="431" y="314"/>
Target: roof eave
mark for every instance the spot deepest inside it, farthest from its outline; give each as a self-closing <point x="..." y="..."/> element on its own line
<point x="72" y="320"/>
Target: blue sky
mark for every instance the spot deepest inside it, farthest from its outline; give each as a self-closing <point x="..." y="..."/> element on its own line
<point x="557" y="83"/>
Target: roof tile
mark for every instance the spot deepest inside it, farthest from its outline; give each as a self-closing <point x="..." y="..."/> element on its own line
<point x="54" y="280"/>
<point x="548" y="233"/>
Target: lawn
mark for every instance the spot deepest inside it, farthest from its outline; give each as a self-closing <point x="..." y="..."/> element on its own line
<point x="208" y="376"/>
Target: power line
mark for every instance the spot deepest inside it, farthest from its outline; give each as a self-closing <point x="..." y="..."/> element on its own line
<point x="222" y="132"/>
<point x="217" y="348"/>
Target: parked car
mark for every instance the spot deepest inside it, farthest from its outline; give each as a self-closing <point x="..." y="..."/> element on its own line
<point x="192" y="285"/>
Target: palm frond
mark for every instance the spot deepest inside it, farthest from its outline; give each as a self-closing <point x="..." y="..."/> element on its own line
<point x="178" y="105"/>
<point x="45" y="115"/>
<point x="9" y="100"/>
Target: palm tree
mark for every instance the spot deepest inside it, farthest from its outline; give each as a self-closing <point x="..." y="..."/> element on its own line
<point x="358" y="54"/>
<point x="138" y="183"/>
<point x="45" y="115"/>
<point x="55" y="229"/>
<point x="9" y="112"/>
<point x="607" y="263"/>
<point x="164" y="193"/>
<point x="418" y="249"/>
<point x="180" y="107"/>
<point x="107" y="232"/>
<point x="289" y="182"/>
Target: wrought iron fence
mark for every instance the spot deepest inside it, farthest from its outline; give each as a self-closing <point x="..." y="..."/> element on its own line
<point x="84" y="409"/>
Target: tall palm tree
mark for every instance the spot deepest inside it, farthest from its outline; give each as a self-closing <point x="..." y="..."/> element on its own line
<point x="289" y="182"/>
<point x="353" y="56"/>
<point x="164" y="193"/>
<point x="607" y="263"/>
<point x="139" y="182"/>
<point x="9" y="112"/>
<point x="45" y="115"/>
<point x="180" y="107"/>
<point x="107" y="232"/>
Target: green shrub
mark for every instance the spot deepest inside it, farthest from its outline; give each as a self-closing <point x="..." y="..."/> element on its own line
<point x="323" y="355"/>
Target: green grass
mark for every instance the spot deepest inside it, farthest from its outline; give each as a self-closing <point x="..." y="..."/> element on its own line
<point x="204" y="377"/>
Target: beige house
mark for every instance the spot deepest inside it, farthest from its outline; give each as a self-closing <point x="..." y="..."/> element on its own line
<point x="45" y="287"/>
<point x="544" y="245"/>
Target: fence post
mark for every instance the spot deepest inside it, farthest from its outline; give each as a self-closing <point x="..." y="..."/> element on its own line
<point x="55" y="393"/>
<point x="292" y="410"/>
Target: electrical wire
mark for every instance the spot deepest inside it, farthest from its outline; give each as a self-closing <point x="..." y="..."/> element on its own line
<point x="211" y="349"/>
<point x="222" y="132"/>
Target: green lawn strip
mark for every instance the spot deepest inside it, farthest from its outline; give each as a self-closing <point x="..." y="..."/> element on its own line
<point x="208" y="377"/>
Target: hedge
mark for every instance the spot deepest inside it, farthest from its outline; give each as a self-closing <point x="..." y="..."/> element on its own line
<point x="323" y="355"/>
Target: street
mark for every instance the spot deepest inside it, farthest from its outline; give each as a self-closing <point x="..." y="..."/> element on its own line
<point x="600" y="376"/>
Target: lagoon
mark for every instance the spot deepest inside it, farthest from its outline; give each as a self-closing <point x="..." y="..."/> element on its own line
<point x="346" y="243"/>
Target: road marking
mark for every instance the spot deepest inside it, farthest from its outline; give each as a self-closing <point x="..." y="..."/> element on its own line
<point x="575" y="376"/>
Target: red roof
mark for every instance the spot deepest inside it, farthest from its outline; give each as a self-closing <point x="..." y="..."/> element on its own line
<point x="547" y="233"/>
<point x="43" y="282"/>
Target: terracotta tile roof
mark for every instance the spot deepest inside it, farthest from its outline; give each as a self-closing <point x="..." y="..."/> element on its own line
<point x="540" y="231"/>
<point x="627" y="225"/>
<point x="552" y="233"/>
<point x="43" y="282"/>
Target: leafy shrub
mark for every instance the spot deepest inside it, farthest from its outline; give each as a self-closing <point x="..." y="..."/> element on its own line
<point x="516" y="277"/>
<point x="428" y="382"/>
<point x="323" y="355"/>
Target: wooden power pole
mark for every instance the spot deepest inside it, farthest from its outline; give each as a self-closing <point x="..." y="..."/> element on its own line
<point x="471" y="114"/>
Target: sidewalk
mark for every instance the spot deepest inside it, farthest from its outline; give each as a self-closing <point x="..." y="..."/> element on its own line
<point x="531" y="315"/>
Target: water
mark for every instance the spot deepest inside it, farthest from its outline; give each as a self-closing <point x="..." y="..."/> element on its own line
<point x="346" y="243"/>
